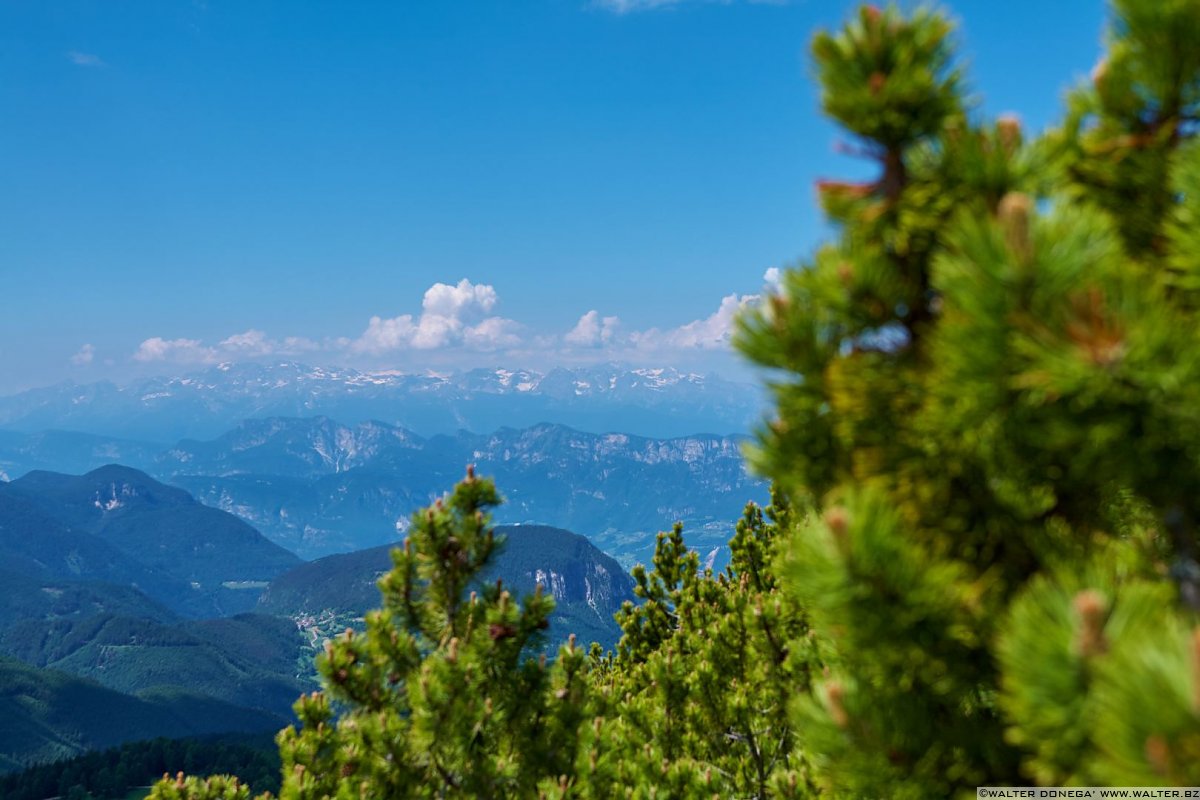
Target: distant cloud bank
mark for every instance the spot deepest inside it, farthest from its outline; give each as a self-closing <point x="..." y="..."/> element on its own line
<point x="459" y="317"/>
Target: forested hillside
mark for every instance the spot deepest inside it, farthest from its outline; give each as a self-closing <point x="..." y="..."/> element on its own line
<point x="49" y="715"/>
<point x="93" y="644"/>
<point x="118" y="525"/>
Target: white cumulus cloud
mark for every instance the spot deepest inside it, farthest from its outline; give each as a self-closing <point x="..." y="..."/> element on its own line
<point x="382" y="334"/>
<point x="256" y="343"/>
<point x="592" y="330"/>
<point x="451" y="314"/>
<point x="493" y="333"/>
<point x="252" y="342"/>
<point x="187" y="351"/>
<point x="444" y="300"/>
<point x="711" y="333"/>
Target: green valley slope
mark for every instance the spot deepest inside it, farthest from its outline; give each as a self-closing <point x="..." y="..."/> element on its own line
<point x="47" y="715"/>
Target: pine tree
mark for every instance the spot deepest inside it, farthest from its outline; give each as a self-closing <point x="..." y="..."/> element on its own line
<point x="694" y="703"/>
<point x="440" y="695"/>
<point x="988" y="392"/>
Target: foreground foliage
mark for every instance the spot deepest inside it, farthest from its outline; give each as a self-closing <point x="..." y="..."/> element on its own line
<point x="989" y="397"/>
<point x="981" y="564"/>
<point x="694" y="703"/>
<point x="440" y="695"/>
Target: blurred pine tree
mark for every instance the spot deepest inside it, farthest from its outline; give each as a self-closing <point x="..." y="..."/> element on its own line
<point x="988" y="392"/>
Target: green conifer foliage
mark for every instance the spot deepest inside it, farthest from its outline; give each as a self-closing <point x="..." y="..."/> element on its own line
<point x="694" y="703"/>
<point x="439" y="696"/>
<point x="218" y="787"/>
<point x="988" y="393"/>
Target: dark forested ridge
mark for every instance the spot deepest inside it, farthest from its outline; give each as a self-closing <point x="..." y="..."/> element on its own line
<point x="249" y="660"/>
<point x="587" y="585"/>
<point x="113" y="772"/>
<point x="27" y="595"/>
<point x="118" y="525"/>
<point x="46" y="715"/>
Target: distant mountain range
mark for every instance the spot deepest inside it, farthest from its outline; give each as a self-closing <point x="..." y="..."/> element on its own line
<point x="316" y="486"/>
<point x="160" y="585"/>
<point x="650" y="402"/>
<point x="319" y="487"/>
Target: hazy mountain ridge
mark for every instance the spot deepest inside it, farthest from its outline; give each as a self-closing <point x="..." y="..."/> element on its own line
<point x="339" y="488"/>
<point x="652" y="402"/>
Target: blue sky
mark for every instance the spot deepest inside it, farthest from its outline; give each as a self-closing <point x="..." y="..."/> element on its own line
<point x="184" y="181"/>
